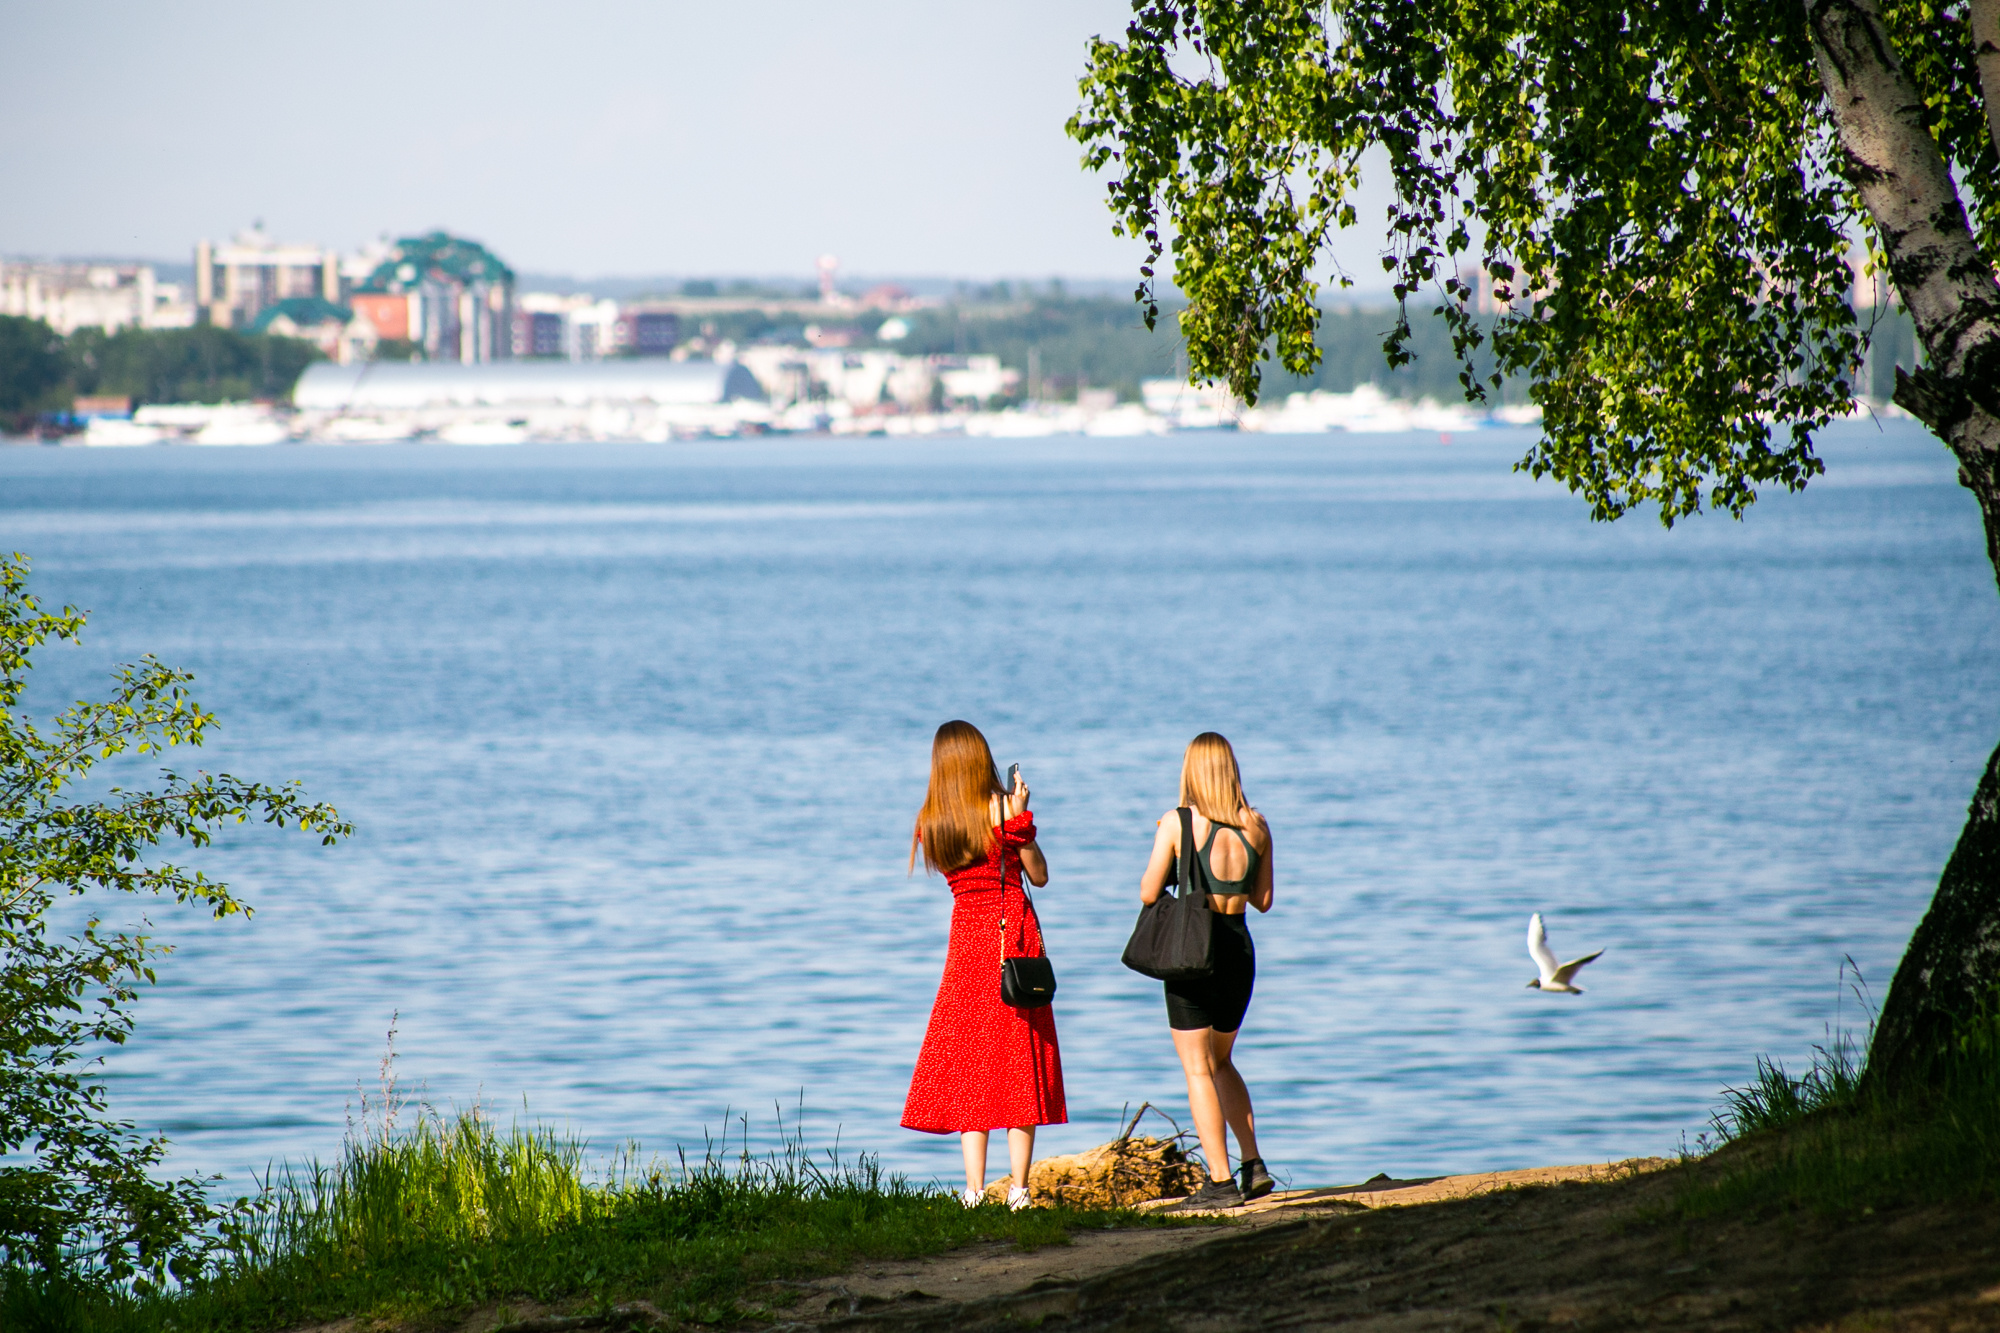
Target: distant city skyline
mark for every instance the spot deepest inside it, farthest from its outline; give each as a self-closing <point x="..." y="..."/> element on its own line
<point x="617" y="139"/>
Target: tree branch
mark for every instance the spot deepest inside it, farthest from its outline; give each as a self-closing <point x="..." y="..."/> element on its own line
<point x="1926" y="396"/>
<point x="149" y="724"/>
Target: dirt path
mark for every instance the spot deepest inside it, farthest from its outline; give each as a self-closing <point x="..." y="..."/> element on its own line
<point x="1587" y="1247"/>
<point x="996" y="1269"/>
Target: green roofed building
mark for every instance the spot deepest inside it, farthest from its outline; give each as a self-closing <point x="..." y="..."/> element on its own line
<point x="436" y="256"/>
<point x="450" y="296"/>
<point x="312" y="318"/>
<point x="289" y="317"/>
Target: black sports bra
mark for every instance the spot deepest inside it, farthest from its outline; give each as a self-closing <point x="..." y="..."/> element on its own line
<point x="1229" y="887"/>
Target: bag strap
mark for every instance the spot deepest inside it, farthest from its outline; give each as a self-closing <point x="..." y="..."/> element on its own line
<point x="1000" y="853"/>
<point x="1184" y="868"/>
<point x="1000" y="858"/>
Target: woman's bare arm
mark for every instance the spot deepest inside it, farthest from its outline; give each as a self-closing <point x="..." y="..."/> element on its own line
<point x="1159" y="869"/>
<point x="1266" y="891"/>
<point x="1033" y="864"/>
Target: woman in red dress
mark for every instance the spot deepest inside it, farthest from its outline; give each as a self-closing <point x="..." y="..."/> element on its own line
<point x="984" y="1064"/>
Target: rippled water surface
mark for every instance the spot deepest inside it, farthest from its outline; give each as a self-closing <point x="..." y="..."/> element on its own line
<point x="634" y="737"/>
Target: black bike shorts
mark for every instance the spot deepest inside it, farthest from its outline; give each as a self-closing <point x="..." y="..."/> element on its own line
<point x="1220" y="999"/>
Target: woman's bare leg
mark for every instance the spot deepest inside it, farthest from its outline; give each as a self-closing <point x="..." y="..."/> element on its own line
<point x="1231" y="1091"/>
<point x="973" y="1144"/>
<point x="1020" y="1152"/>
<point x="1196" y="1049"/>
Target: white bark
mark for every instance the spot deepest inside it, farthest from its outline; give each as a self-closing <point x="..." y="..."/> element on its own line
<point x="1986" y="51"/>
<point x="1946" y="284"/>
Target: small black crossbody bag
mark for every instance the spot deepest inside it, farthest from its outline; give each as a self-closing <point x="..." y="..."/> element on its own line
<point x="1025" y="983"/>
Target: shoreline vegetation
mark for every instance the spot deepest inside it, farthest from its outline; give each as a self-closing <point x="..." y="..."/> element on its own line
<point x="409" y="1228"/>
<point x="450" y="1218"/>
<point x="1834" y="1144"/>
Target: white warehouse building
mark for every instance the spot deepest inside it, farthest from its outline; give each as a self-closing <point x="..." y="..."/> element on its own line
<point x="498" y="402"/>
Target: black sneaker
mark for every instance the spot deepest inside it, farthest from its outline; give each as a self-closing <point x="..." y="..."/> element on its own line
<point x="1213" y="1194"/>
<point x="1257" y="1181"/>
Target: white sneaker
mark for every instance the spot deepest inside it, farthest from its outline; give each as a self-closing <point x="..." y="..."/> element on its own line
<point x="1017" y="1197"/>
<point x="970" y="1197"/>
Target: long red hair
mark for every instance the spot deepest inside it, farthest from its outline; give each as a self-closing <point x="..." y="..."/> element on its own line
<point x="955" y="826"/>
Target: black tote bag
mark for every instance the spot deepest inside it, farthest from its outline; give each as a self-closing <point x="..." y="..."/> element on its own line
<point x="1172" y="940"/>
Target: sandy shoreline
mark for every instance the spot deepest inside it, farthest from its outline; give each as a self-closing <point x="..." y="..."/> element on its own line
<point x="979" y="1272"/>
<point x="1596" y="1246"/>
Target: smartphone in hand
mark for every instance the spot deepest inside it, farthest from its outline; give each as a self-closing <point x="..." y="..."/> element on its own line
<point x="1013" y="782"/>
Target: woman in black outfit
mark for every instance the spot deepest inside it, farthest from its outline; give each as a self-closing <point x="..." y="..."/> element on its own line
<point x="1233" y="848"/>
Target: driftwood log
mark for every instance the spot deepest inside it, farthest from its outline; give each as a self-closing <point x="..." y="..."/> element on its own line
<point x="1118" y="1174"/>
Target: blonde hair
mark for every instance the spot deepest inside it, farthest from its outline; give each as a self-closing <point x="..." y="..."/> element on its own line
<point x="1211" y="782"/>
<point x="955" y="825"/>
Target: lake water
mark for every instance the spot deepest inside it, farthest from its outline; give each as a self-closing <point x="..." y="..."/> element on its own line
<point x="634" y="736"/>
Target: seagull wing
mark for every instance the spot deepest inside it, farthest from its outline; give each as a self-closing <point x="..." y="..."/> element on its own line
<point x="1568" y="970"/>
<point x="1538" y="948"/>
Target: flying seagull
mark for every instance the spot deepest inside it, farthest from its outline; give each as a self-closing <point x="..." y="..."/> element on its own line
<point x="1552" y="977"/>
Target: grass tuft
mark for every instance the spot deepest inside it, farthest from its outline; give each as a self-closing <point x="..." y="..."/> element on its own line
<point x="1834" y="1144"/>
<point x="1775" y="1100"/>
<point x="420" y="1227"/>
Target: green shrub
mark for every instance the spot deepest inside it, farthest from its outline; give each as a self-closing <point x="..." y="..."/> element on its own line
<point x="77" y="1190"/>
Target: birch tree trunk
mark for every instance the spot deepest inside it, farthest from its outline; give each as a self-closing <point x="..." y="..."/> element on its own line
<point x="1984" y="22"/>
<point x="1945" y="281"/>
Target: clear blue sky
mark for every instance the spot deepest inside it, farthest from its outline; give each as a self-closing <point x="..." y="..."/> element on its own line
<point x="919" y="137"/>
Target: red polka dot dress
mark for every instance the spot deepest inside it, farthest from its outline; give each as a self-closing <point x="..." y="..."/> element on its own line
<point x="984" y="1064"/>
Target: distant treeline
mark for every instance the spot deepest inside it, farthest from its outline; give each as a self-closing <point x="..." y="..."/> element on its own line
<point x="1102" y="342"/>
<point x="41" y="371"/>
<point x="1095" y="341"/>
